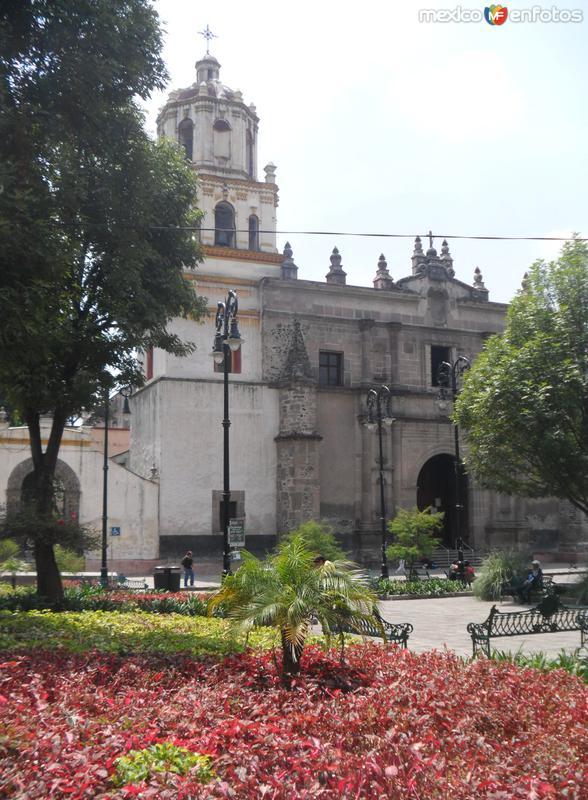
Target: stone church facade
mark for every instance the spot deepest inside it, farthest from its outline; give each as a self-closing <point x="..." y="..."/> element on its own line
<point x="298" y="387"/>
<point x="299" y="448"/>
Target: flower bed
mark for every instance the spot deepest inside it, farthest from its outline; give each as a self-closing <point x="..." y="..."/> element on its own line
<point x="390" y="724"/>
<point x="426" y="587"/>
<point x="95" y="598"/>
<point x="120" y="632"/>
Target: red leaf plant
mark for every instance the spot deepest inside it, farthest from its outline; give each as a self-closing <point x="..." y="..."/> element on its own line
<point x="388" y="724"/>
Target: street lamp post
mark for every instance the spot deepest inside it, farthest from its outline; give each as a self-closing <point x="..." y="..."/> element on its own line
<point x="104" y="564"/>
<point x="378" y="406"/>
<point x="447" y="376"/>
<point x="126" y="393"/>
<point x="227" y="339"/>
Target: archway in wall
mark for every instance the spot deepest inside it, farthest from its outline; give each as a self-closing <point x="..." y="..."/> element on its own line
<point x="436" y="488"/>
<point x="67" y="488"/>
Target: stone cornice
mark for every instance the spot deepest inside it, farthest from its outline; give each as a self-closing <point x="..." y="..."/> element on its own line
<point x="241" y="255"/>
<point x="221" y="180"/>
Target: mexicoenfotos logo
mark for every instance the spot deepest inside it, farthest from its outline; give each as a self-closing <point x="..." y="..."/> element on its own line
<point x="496" y="15"/>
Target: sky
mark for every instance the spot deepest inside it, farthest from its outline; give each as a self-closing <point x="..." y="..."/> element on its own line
<point x="381" y="123"/>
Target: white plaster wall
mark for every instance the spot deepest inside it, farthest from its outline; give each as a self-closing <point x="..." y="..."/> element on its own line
<point x="132" y="501"/>
<point x="192" y="453"/>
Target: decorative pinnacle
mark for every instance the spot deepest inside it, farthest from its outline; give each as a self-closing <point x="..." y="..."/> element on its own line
<point x="444" y="248"/>
<point x="335" y="259"/>
<point x="208" y="35"/>
<point x="288" y="252"/>
<point x="382" y="263"/>
<point x="478" y="279"/>
<point x="418" y="247"/>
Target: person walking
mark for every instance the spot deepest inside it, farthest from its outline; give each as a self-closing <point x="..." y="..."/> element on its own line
<point x="188" y="565"/>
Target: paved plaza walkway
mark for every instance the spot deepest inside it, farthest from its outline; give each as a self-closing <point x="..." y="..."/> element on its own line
<point x="442" y="622"/>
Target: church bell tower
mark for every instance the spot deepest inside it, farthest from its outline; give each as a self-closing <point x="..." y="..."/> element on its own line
<point x="218" y="132"/>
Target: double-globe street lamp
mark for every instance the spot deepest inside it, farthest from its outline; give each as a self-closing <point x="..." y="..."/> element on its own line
<point x="126" y="393"/>
<point x="227" y="339"/>
<point x="378" y="414"/>
<point x="447" y="379"/>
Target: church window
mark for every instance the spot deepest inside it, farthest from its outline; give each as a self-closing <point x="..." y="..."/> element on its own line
<point x="186" y="136"/>
<point x="438" y="356"/>
<point x="210" y="74"/>
<point x="222" y="139"/>
<point x="330" y="368"/>
<point x="224" y="225"/>
<point x="253" y="232"/>
<point x="250" y="160"/>
<point x="234" y="363"/>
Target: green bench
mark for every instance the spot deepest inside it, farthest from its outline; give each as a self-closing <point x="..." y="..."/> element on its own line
<point x="549" y="616"/>
<point x="398" y="632"/>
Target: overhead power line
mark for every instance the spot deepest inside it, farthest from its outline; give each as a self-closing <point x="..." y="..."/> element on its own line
<point x="198" y="229"/>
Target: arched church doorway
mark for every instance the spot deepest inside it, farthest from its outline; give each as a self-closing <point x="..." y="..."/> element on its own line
<point x="436" y="488"/>
<point x="20" y="488"/>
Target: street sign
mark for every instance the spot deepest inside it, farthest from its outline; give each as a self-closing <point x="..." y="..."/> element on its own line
<point x="115" y="531"/>
<point x="237" y="532"/>
<point x="235" y="555"/>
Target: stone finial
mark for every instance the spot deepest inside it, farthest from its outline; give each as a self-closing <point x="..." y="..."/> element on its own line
<point x="383" y="279"/>
<point x="297" y="364"/>
<point x="478" y="279"/>
<point x="418" y="256"/>
<point x="447" y="259"/>
<point x="270" y="172"/>
<point x="480" y="291"/>
<point x="336" y="273"/>
<point x="289" y="268"/>
<point x="525" y="282"/>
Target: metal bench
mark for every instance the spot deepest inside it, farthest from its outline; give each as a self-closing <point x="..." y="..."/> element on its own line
<point x="394" y="632"/>
<point x="122" y="582"/>
<point x="550" y="616"/>
<point x="548" y="587"/>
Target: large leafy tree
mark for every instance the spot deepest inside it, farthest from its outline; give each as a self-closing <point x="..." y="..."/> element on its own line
<point x="94" y="220"/>
<point x="524" y="404"/>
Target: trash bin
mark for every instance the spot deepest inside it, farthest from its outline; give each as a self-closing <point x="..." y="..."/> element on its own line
<point x="167" y="578"/>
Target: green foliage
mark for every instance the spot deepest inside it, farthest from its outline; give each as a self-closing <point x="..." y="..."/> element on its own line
<point x="68" y="560"/>
<point x="524" y="404"/>
<point x="286" y="590"/>
<point x="95" y="220"/>
<point x="431" y="587"/>
<point x="319" y="538"/>
<point x="49" y="528"/>
<point x="139" y="765"/>
<point x="8" y="550"/>
<point x="580" y="591"/>
<point x="574" y="663"/>
<point x="414" y="536"/>
<point x="115" y="632"/>
<point x="498" y="568"/>
<point x="9" y="561"/>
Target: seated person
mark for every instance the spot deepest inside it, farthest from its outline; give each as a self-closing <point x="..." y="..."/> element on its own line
<point x="453" y="573"/>
<point x="533" y="582"/>
<point x="469" y="574"/>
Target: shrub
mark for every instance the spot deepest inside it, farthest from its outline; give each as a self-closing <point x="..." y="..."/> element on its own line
<point x="414" y="536"/>
<point x="574" y="663"/>
<point x="68" y="560"/>
<point x="319" y="538"/>
<point x="498" y="568"/>
<point x="140" y="765"/>
<point x="432" y="587"/>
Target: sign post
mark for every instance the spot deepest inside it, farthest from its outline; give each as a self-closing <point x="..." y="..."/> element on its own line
<point x="236" y="537"/>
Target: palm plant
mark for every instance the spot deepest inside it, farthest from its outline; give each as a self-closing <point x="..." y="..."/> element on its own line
<point x="287" y="590"/>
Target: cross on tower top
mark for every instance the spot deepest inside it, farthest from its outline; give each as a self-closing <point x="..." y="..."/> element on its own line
<point x="208" y="35"/>
<point x="430" y="239"/>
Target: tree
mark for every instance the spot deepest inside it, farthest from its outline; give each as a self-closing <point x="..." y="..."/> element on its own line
<point x="9" y="561"/>
<point x="414" y="535"/>
<point x="319" y="538"/>
<point x="524" y="404"/>
<point x="95" y="221"/>
<point x="287" y="590"/>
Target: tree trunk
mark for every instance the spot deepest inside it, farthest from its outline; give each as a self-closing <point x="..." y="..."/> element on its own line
<point x="48" y="576"/>
<point x="44" y="463"/>
<point x="291" y="655"/>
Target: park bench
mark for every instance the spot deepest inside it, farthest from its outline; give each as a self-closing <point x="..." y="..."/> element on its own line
<point x="547" y="587"/>
<point x="394" y="632"/>
<point x="122" y="582"/>
<point x="550" y="616"/>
